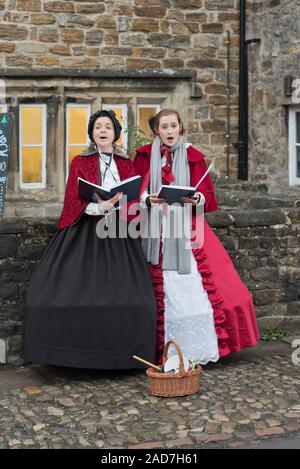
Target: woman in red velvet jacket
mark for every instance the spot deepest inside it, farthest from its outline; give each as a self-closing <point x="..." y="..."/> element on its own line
<point x="90" y="303"/>
<point x="201" y="300"/>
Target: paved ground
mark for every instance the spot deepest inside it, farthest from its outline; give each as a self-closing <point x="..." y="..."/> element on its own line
<point x="244" y="400"/>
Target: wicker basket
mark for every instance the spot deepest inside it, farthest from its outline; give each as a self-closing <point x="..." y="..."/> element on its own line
<point x="174" y="384"/>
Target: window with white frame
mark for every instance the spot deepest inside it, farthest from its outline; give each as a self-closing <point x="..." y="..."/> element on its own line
<point x="77" y="117"/>
<point x="121" y="114"/>
<point x="294" y="145"/>
<point x="144" y="113"/>
<point x="32" y="138"/>
<point x="3" y="108"/>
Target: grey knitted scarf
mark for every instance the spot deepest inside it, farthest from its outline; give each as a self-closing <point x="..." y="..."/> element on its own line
<point x="176" y="254"/>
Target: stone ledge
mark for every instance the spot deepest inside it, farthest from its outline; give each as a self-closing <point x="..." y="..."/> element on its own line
<point x="96" y="73"/>
<point x="259" y="218"/>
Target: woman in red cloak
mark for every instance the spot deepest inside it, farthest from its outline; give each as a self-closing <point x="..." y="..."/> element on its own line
<point x="201" y="300"/>
<point x="90" y="302"/>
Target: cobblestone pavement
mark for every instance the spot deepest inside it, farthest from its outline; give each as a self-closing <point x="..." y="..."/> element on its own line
<point x="244" y="398"/>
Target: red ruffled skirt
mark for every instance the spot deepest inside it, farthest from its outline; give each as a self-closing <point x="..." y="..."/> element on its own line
<point x="234" y="314"/>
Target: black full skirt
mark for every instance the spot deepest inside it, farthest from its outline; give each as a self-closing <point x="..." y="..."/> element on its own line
<point x="90" y="302"/>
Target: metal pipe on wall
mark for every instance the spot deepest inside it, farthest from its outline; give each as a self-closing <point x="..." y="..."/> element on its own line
<point x="242" y="144"/>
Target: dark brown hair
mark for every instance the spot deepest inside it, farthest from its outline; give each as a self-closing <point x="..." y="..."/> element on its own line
<point x="167" y="112"/>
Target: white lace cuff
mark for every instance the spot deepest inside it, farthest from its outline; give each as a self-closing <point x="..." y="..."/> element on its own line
<point x="144" y="196"/>
<point x="93" y="209"/>
<point x="201" y="199"/>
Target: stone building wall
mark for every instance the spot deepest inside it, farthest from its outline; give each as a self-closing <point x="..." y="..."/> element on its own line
<point x="276" y="23"/>
<point x="166" y="36"/>
<point x="134" y="35"/>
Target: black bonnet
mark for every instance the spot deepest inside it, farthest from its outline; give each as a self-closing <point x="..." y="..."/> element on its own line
<point x="107" y="113"/>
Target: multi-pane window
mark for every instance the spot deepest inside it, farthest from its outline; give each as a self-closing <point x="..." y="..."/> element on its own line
<point x="294" y="146"/>
<point x="144" y="112"/>
<point x="77" y="117"/>
<point x="32" y="137"/>
<point x="121" y="114"/>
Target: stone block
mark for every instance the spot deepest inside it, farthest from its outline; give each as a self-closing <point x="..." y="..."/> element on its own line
<point x="151" y="52"/>
<point x="259" y="218"/>
<point x="133" y="39"/>
<point x="13" y="225"/>
<point x="13" y="32"/>
<point x="270" y="322"/>
<point x="18" y="60"/>
<point x="293" y="308"/>
<point x="263" y="274"/>
<point x="294" y="215"/>
<point x="48" y="35"/>
<point x="291" y="323"/>
<point x="219" y="5"/>
<point x="106" y="22"/>
<point x="219" y="219"/>
<point x="41" y="18"/>
<point x="160" y="39"/>
<point x="47" y="61"/>
<point x="215" y="125"/>
<point x="30" y="251"/>
<point x="59" y="7"/>
<point x="112" y="62"/>
<point x="81" y="20"/>
<point x="117" y="51"/>
<point x="8" y="246"/>
<point x="90" y="8"/>
<point x="8" y="292"/>
<point x="206" y="63"/>
<point x="60" y="49"/>
<point x="123" y="24"/>
<point x="263" y="202"/>
<point x="214" y="28"/>
<point x="145" y="25"/>
<point x="180" y="40"/>
<point x="173" y="63"/>
<point x="29" y="5"/>
<point x="7" y="47"/>
<point x="94" y="37"/>
<point x="72" y="35"/>
<point x="188" y="4"/>
<point x="142" y="63"/>
<point x="217" y="100"/>
<point x="289" y="274"/>
<point x="150" y="11"/>
<point x="119" y="9"/>
<point x="265" y="297"/>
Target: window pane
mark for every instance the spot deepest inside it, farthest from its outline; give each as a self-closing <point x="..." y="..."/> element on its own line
<point x="77" y="124"/>
<point x="74" y="151"/>
<point x="118" y="111"/>
<point x="3" y="108"/>
<point x="298" y="162"/>
<point x="31" y="119"/>
<point x="143" y="115"/>
<point x="32" y="165"/>
<point x="298" y="127"/>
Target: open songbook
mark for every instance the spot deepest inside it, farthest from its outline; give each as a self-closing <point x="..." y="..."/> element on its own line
<point x="173" y="193"/>
<point x="129" y="187"/>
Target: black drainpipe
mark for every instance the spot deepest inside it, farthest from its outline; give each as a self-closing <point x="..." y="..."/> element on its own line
<point x="242" y="143"/>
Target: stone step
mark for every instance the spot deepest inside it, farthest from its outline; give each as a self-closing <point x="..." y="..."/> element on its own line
<point x="225" y="183"/>
<point x="249" y="196"/>
<point x="242" y="200"/>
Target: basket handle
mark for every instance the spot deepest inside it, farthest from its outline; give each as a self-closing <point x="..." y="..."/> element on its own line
<point x="165" y="355"/>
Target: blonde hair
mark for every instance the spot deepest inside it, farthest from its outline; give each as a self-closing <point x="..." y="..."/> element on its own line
<point x="168" y="112"/>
